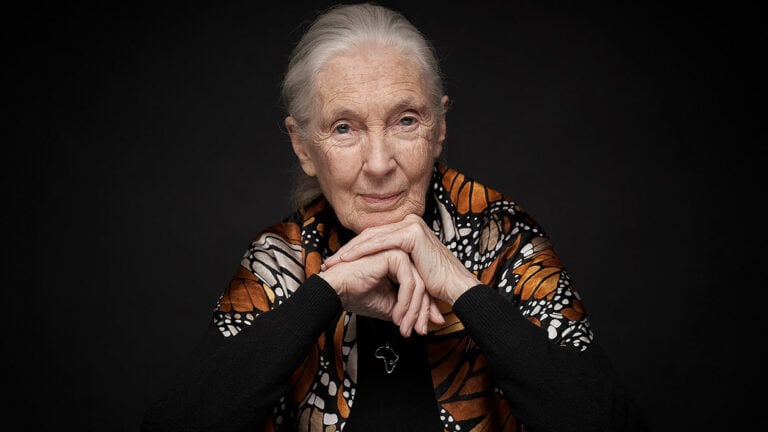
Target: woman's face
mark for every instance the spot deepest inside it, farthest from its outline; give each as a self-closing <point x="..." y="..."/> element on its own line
<point x="375" y="139"/>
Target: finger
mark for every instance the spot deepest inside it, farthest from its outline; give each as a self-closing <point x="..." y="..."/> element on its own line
<point x="370" y="241"/>
<point x="422" y="322"/>
<point x="434" y="312"/>
<point x="414" y="300"/>
<point x="400" y="268"/>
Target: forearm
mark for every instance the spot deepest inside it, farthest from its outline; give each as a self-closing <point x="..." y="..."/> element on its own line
<point x="549" y="387"/>
<point x="233" y="383"/>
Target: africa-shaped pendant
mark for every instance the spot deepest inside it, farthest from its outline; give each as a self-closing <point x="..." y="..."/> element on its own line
<point x="390" y="357"/>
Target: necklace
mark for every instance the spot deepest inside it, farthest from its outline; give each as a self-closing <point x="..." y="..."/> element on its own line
<point x="380" y="329"/>
<point x="390" y="357"/>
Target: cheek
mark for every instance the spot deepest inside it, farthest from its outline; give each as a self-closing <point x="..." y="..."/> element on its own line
<point x="336" y="169"/>
<point x="324" y="159"/>
<point x="419" y="160"/>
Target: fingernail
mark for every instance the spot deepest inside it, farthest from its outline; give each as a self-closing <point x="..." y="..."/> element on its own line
<point x="322" y="267"/>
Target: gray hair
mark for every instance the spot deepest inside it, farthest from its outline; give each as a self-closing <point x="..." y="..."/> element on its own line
<point x="339" y="29"/>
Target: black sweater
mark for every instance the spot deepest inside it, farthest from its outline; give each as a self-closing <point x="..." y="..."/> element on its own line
<point x="232" y="384"/>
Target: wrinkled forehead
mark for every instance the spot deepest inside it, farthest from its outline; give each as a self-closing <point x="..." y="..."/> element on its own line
<point x="370" y="75"/>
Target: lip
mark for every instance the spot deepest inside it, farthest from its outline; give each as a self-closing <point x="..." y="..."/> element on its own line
<point x="381" y="200"/>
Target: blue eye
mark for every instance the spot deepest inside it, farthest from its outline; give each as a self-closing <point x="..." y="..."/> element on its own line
<point x="407" y="121"/>
<point x="342" y="128"/>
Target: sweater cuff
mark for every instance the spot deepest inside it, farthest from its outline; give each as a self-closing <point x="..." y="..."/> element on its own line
<point x="311" y="306"/>
<point x="472" y="298"/>
<point x="483" y="308"/>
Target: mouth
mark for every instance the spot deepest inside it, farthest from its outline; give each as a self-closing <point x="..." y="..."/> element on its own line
<point x="381" y="200"/>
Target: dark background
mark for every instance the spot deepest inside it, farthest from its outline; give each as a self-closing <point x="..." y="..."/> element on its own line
<point x="145" y="148"/>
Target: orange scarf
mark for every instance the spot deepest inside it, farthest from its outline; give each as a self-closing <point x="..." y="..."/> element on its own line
<point x="482" y="227"/>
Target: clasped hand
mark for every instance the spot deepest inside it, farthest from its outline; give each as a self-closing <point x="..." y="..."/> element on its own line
<point x="396" y="272"/>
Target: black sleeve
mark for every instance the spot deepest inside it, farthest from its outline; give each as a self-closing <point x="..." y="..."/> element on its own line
<point x="549" y="387"/>
<point x="232" y="384"/>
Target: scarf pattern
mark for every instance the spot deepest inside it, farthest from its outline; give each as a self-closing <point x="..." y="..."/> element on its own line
<point x="494" y="238"/>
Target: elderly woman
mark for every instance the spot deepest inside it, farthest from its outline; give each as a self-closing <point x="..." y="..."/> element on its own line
<point x="401" y="295"/>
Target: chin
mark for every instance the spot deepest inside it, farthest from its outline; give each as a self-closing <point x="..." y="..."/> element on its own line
<point x="376" y="219"/>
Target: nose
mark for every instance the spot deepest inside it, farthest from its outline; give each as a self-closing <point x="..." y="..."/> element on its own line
<point x="378" y="154"/>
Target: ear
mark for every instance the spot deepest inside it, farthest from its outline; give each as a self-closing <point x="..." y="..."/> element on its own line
<point x="438" y="149"/>
<point x="299" y="147"/>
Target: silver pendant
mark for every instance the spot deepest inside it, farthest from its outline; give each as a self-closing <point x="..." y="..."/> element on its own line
<point x="390" y="357"/>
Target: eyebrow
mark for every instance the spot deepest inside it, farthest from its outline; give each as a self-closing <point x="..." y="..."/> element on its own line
<point x="410" y="105"/>
<point x="401" y="105"/>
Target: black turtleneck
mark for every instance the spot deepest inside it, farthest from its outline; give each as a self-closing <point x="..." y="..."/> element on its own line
<point x="403" y="400"/>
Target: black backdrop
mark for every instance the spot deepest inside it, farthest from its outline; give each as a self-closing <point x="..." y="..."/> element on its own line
<point x="146" y="148"/>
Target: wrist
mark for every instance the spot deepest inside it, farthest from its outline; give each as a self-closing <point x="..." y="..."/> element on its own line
<point x="332" y="281"/>
<point x="459" y="288"/>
